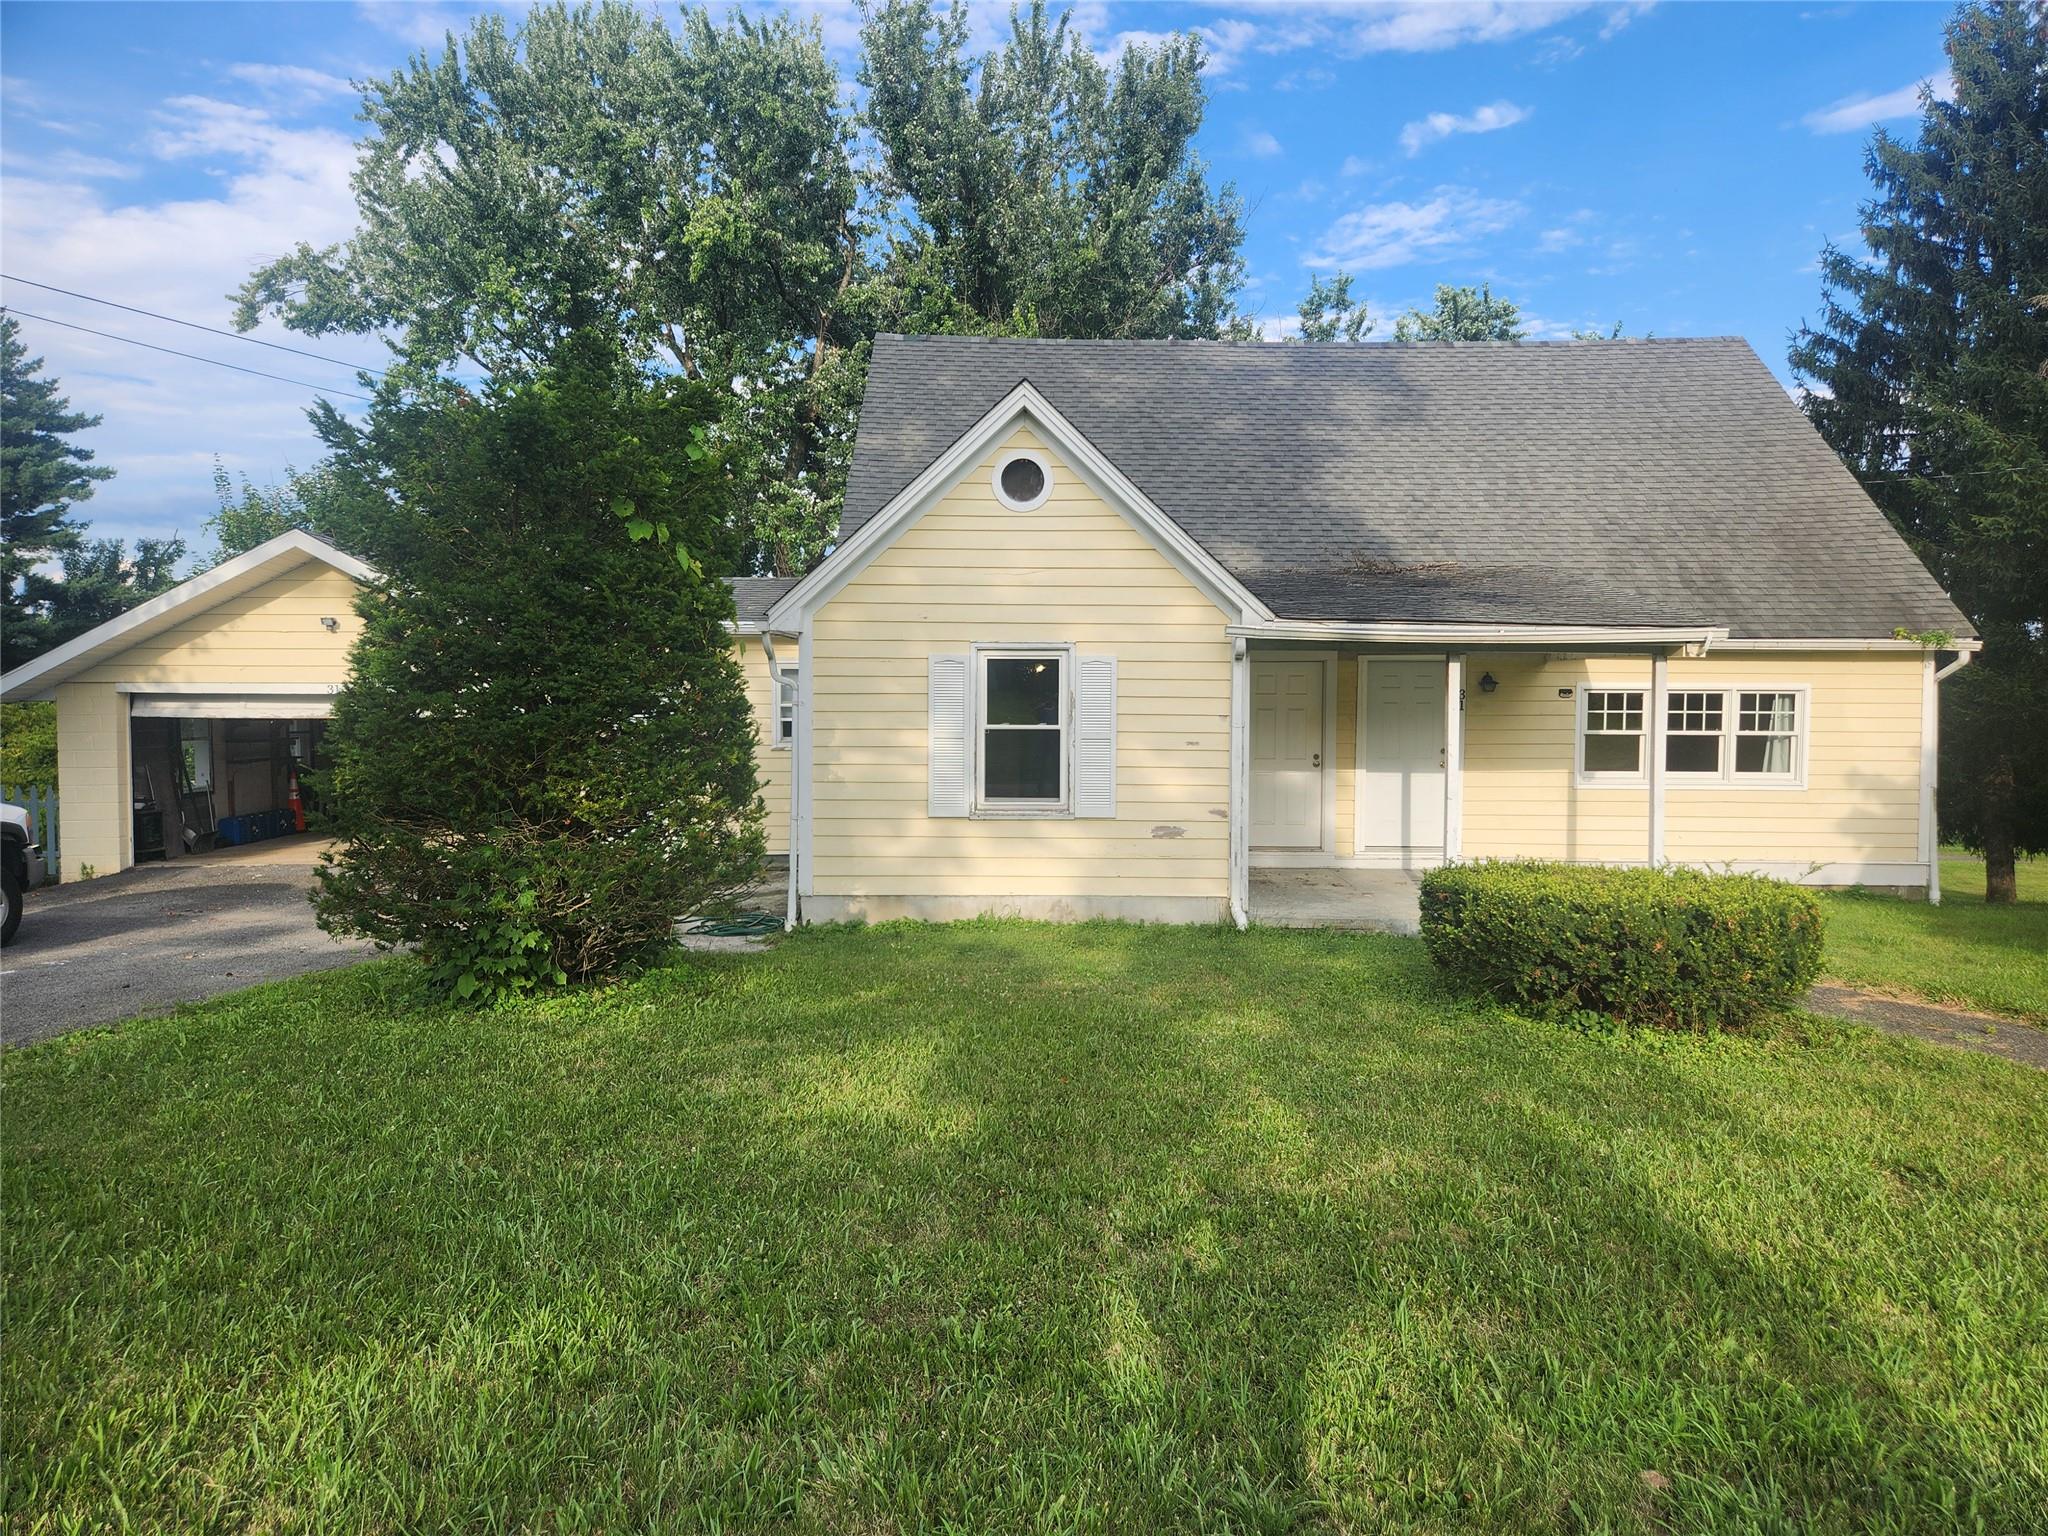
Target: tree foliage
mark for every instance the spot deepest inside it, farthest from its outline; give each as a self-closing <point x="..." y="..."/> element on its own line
<point x="1037" y="191"/>
<point x="1930" y="374"/>
<point x="546" y="751"/>
<point x="693" y="189"/>
<point x="28" y="745"/>
<point x="247" y="514"/>
<point x="42" y="476"/>
<point x="1463" y="314"/>
<point x="1329" y="314"/>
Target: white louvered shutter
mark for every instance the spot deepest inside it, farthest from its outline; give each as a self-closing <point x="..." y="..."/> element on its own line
<point x="1095" y="736"/>
<point x="947" y="791"/>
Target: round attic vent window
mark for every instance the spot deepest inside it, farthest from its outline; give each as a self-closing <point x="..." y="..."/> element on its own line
<point x="1023" y="481"/>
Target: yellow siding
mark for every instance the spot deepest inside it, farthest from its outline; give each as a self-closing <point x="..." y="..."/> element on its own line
<point x="1861" y="803"/>
<point x="771" y="762"/>
<point x="93" y="806"/>
<point x="268" y="634"/>
<point x="968" y="571"/>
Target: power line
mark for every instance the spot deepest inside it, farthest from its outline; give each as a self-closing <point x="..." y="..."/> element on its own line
<point x="318" y="389"/>
<point x="194" y="325"/>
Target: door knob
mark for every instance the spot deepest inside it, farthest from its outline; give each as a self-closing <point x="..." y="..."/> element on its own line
<point x="1315" y="760"/>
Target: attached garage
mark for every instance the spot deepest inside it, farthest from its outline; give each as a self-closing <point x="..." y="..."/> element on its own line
<point x="183" y="724"/>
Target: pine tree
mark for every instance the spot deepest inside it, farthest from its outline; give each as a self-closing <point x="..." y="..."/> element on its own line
<point x="41" y="477"/>
<point x="1929" y="370"/>
<point x="545" y="755"/>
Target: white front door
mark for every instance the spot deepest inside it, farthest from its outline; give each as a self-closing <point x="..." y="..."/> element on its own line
<point x="1287" y="754"/>
<point x="1401" y="798"/>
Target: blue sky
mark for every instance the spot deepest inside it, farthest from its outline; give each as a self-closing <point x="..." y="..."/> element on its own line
<point x="1674" y="167"/>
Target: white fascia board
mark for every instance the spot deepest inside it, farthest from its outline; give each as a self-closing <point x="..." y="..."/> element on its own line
<point x="940" y="476"/>
<point x="263" y="690"/>
<point x="1965" y="646"/>
<point x="286" y="551"/>
<point x="1482" y="636"/>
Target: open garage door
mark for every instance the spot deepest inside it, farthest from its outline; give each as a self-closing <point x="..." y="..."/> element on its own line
<point x="218" y="771"/>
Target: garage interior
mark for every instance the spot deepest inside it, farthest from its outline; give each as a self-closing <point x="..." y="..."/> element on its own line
<point x="207" y="783"/>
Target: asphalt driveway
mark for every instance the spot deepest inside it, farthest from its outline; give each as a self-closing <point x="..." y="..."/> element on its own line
<point x="150" y="938"/>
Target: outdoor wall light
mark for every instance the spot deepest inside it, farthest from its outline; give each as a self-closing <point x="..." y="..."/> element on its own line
<point x="330" y="624"/>
<point x="1487" y="682"/>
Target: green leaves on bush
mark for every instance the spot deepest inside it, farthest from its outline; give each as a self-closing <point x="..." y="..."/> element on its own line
<point x="1662" y="948"/>
<point x="545" y="755"/>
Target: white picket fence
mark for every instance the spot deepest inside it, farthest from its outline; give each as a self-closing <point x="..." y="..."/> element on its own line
<point x="42" y="816"/>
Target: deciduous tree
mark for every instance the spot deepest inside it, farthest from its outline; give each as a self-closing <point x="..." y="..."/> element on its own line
<point x="1463" y="314"/>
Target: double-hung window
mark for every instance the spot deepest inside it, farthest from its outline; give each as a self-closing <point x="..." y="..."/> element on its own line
<point x="1694" y="724"/>
<point x="1768" y="729"/>
<point x="1749" y="737"/>
<point x="1022" y="746"/>
<point x="1739" y="736"/>
<point x="785" y="708"/>
<point x="1611" y="735"/>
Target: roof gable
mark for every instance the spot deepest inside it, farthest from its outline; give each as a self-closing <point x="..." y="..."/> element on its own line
<point x="1021" y="405"/>
<point x="1618" y="483"/>
<point x="184" y="602"/>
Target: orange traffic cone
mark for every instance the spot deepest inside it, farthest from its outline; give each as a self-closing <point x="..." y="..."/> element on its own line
<point x="296" y="805"/>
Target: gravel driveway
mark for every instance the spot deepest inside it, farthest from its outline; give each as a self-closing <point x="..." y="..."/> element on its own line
<point x="151" y="937"/>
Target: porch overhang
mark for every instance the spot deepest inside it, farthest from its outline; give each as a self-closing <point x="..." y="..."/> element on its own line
<point x="1691" y="640"/>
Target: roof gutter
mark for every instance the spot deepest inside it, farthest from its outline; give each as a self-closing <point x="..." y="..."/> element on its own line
<point x="1548" y="636"/>
<point x="1962" y="660"/>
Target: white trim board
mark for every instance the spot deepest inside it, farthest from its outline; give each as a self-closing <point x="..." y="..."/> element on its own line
<point x="1022" y="404"/>
<point x="270" y="559"/>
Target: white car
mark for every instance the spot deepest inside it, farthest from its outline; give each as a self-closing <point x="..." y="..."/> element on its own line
<point x="21" y="865"/>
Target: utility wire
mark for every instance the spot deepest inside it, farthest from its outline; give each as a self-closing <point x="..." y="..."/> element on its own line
<point x="194" y="325"/>
<point x="319" y="389"/>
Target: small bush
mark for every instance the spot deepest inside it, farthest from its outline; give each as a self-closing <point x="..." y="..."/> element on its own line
<point x="1663" y="948"/>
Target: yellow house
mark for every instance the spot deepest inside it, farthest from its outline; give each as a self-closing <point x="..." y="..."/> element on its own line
<point x="191" y="712"/>
<point x="1144" y="629"/>
<point x="1170" y="631"/>
<point x="183" y="723"/>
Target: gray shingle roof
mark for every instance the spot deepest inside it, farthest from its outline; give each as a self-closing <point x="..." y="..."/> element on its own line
<point x="1667" y="481"/>
<point x="753" y="596"/>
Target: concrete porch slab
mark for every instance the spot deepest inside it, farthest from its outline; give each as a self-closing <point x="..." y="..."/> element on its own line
<point x="1370" y="900"/>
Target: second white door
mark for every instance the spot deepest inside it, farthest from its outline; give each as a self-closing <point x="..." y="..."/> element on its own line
<point x="1287" y="754"/>
<point x="1401" y="799"/>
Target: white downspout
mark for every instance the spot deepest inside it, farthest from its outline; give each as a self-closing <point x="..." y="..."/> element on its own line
<point x="777" y="676"/>
<point x="1240" y="737"/>
<point x="1930" y="765"/>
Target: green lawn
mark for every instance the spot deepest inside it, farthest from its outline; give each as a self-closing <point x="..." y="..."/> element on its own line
<point x="1960" y="952"/>
<point x="1015" y="1228"/>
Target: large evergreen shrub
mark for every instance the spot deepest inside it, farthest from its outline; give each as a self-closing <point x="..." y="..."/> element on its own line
<point x="1665" y="948"/>
<point x="545" y="754"/>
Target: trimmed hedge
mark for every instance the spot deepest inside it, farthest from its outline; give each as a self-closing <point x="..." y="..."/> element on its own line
<point x="1663" y="948"/>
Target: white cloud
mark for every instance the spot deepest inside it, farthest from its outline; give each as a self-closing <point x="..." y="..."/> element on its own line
<point x="1555" y="240"/>
<point x="292" y="84"/>
<point x="1426" y="26"/>
<point x="1852" y="114"/>
<point x="421" y="23"/>
<point x="1396" y="233"/>
<point x="1425" y="131"/>
<point x="1261" y="144"/>
<point x="1354" y="165"/>
<point x="1622" y="15"/>
<point x="1225" y="43"/>
<point x="70" y="164"/>
<point x="165" y="416"/>
<point x="1279" y="327"/>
